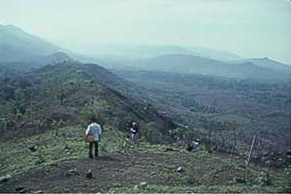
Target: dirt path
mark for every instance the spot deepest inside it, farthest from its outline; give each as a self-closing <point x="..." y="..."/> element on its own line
<point x="109" y="170"/>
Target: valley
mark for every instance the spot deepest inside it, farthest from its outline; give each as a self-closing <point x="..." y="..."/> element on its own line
<point x="199" y="102"/>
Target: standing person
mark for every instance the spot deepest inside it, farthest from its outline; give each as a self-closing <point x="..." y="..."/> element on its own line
<point x="134" y="132"/>
<point x="94" y="130"/>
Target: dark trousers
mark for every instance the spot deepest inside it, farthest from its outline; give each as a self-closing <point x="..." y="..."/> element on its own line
<point x="91" y="149"/>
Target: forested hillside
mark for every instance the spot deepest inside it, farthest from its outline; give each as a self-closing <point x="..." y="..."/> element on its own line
<point x="38" y="100"/>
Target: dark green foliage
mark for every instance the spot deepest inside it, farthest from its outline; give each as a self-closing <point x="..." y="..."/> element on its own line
<point x="151" y="134"/>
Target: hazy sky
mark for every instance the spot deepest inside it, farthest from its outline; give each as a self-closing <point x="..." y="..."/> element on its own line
<point x="249" y="28"/>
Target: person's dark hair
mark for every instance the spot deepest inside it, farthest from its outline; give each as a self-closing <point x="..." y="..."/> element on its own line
<point x="93" y="119"/>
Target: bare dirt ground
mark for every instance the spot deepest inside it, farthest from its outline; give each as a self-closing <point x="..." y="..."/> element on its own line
<point x="109" y="171"/>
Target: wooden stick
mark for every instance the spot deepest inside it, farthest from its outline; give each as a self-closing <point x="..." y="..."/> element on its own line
<point x="251" y="150"/>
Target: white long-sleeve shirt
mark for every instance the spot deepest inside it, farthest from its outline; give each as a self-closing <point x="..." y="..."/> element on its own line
<point x="95" y="130"/>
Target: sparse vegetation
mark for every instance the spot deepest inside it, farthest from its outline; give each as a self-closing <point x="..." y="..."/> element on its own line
<point x="43" y="119"/>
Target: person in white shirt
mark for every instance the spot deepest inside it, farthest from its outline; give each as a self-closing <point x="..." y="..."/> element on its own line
<point x="95" y="130"/>
<point x="134" y="133"/>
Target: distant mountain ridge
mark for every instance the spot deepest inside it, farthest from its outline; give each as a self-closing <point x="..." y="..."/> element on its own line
<point x="146" y="51"/>
<point x="267" y="63"/>
<point x="214" y="54"/>
<point x="16" y="45"/>
<point x="24" y="51"/>
<point x="190" y="64"/>
<point x="35" y="62"/>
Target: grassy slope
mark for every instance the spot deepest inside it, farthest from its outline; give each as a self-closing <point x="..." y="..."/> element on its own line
<point x="120" y="168"/>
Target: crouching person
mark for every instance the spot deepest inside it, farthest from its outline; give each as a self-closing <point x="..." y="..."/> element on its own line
<point x="193" y="146"/>
<point x="93" y="135"/>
